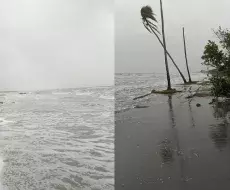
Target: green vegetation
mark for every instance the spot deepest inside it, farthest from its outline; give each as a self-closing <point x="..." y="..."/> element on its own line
<point x="216" y="57"/>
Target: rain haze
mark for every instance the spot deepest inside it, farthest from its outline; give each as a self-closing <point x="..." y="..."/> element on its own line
<point x="56" y="44"/>
<point x="139" y="51"/>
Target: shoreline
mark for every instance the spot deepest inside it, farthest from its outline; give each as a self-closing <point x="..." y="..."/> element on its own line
<point x="200" y="89"/>
<point x="1" y="172"/>
<point x="173" y="145"/>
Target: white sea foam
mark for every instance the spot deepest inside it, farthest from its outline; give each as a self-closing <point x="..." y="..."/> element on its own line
<point x="49" y="130"/>
<point x="107" y="97"/>
<point x="3" y="121"/>
<point x="83" y="93"/>
<point x="61" y="93"/>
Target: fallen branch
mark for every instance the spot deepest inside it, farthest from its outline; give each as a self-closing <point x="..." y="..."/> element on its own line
<point x="164" y="92"/>
<point x="139" y="97"/>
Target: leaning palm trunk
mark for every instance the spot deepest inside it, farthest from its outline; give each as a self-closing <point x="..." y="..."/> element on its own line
<point x="165" y="51"/>
<point x="186" y="59"/>
<point x="147" y="13"/>
<point x="182" y="76"/>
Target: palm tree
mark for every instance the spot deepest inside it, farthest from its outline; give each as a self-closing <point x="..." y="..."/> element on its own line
<point x="148" y="17"/>
<point x="165" y="52"/>
<point x="186" y="59"/>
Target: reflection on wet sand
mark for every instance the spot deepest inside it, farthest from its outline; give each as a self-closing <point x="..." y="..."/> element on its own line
<point x="166" y="152"/>
<point x="177" y="149"/>
<point x="171" y="112"/>
<point x="179" y="152"/>
<point x="191" y="114"/>
<point x="219" y="132"/>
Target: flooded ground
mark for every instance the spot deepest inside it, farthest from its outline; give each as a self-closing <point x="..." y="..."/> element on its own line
<point x="132" y="85"/>
<point x="57" y="139"/>
<point x="173" y="145"/>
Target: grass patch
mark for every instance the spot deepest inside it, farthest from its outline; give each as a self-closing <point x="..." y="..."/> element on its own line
<point x="166" y="92"/>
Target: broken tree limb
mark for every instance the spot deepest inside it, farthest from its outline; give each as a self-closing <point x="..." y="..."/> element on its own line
<point x="139" y="97"/>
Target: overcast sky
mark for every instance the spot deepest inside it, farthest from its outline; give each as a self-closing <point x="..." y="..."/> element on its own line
<point x="138" y="51"/>
<point x="56" y="43"/>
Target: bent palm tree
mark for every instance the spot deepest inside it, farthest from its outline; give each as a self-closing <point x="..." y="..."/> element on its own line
<point x="147" y="15"/>
<point x="186" y="59"/>
<point x="164" y="43"/>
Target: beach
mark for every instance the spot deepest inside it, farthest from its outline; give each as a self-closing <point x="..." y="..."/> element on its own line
<point x="173" y="144"/>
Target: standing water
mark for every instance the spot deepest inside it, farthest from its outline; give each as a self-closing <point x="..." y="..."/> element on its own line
<point x="57" y="139"/>
<point x="172" y="144"/>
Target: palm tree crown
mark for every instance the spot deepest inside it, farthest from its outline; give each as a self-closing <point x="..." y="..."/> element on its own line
<point x="147" y="14"/>
<point x="150" y="23"/>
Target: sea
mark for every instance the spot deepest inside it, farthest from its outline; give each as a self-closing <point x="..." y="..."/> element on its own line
<point x="131" y="85"/>
<point x="57" y="139"/>
<point x="64" y="139"/>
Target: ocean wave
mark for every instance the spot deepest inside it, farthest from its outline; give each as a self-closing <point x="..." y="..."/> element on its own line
<point x="3" y="121"/>
<point x="77" y="93"/>
<point x="107" y="97"/>
<point x="68" y="131"/>
<point x="106" y="114"/>
<point x="123" y="110"/>
<point x="61" y="93"/>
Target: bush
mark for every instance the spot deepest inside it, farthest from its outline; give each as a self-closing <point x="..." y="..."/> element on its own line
<point x="217" y="57"/>
<point x="220" y="86"/>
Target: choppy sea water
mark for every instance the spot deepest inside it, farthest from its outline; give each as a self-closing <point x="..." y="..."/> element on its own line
<point x="131" y="85"/>
<point x="57" y="139"/>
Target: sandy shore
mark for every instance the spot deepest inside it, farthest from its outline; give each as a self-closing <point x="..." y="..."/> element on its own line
<point x="173" y="145"/>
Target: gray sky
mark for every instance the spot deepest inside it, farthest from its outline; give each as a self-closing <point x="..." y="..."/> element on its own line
<point x="138" y="51"/>
<point x="56" y="43"/>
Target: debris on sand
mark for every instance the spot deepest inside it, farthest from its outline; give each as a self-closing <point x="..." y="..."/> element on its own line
<point x="198" y="105"/>
<point x="139" y="106"/>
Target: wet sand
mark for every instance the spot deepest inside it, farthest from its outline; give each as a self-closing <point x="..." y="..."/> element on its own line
<point x="173" y="146"/>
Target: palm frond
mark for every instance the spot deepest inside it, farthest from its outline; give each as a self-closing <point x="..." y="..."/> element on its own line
<point x="153" y="27"/>
<point x="145" y="25"/>
<point x="154" y="30"/>
<point x="150" y="23"/>
<point x="147" y="13"/>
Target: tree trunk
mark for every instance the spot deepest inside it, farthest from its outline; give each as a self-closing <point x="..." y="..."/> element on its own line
<point x="186" y="59"/>
<point x="182" y="76"/>
<point x="165" y="53"/>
